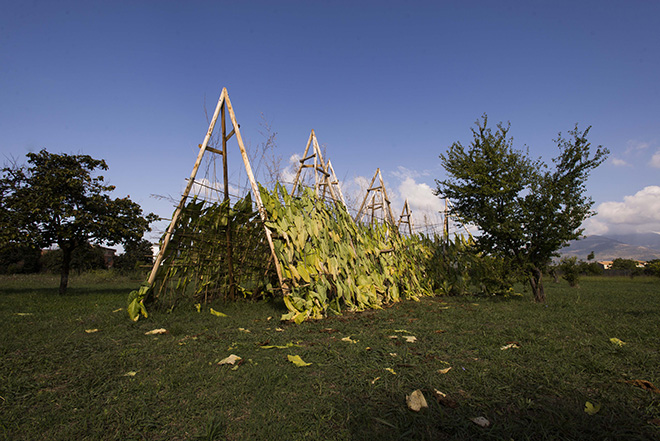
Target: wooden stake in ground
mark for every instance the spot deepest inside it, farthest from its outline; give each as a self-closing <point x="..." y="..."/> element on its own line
<point x="406" y="217"/>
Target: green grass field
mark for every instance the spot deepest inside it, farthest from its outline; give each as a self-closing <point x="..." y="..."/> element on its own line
<point x="60" y="382"/>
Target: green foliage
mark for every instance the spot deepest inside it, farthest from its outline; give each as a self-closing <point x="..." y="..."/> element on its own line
<point x="196" y="265"/>
<point x="56" y="200"/>
<point x="329" y="262"/>
<point x="137" y="256"/>
<point x="524" y="209"/>
<point x="626" y="266"/>
<point x="652" y="268"/>
<point x="570" y="270"/>
<point x="18" y="258"/>
<point x="85" y="257"/>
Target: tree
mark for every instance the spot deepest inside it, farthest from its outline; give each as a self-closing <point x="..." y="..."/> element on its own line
<point x="56" y="200"/>
<point x="136" y="254"/>
<point x="525" y="210"/>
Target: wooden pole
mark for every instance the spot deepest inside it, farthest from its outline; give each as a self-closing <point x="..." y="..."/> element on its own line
<point x="186" y="192"/>
<point x="228" y="232"/>
<point x="255" y="191"/>
<point x="295" y="181"/>
<point x="366" y="196"/>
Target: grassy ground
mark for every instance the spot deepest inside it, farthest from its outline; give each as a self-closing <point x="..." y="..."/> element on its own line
<point x="60" y="382"/>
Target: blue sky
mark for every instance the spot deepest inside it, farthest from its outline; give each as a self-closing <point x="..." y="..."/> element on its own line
<point x="383" y="84"/>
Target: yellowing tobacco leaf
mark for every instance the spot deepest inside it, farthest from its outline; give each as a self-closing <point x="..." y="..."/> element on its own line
<point x="130" y="374"/>
<point x="232" y="359"/>
<point x="91" y="331"/>
<point x="444" y="371"/>
<point x="288" y="345"/>
<point x="416" y="401"/>
<point x="617" y="342"/>
<point x="591" y="409"/>
<point x="156" y="331"/>
<point x="295" y="359"/>
<point x="410" y="338"/>
<point x="390" y="370"/>
<point x="217" y="313"/>
<point x="198" y="307"/>
<point x="349" y="340"/>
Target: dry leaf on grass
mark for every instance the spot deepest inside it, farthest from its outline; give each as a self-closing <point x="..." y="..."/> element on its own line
<point x="374" y="380"/>
<point x="444" y="399"/>
<point x="390" y="370"/>
<point x="349" y="340"/>
<point x="646" y="385"/>
<point x="156" y="331"/>
<point x="232" y="359"/>
<point x="410" y="338"/>
<point x="217" y="313"/>
<point x="130" y="374"/>
<point x="617" y="342"/>
<point x="416" y="401"/>
<point x="591" y="409"/>
<point x="444" y="371"/>
<point x="91" y="331"/>
<point x="288" y="345"/>
<point x="295" y="359"/>
<point x="244" y="330"/>
<point x="481" y="421"/>
<point x="510" y="345"/>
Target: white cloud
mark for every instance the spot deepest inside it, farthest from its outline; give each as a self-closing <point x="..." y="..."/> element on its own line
<point x="655" y="159"/>
<point x="619" y="162"/>
<point x="637" y="213"/>
<point x="635" y="146"/>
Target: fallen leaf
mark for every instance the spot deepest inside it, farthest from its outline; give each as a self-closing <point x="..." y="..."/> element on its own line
<point x="269" y="319"/>
<point x="217" y="313"/>
<point x="329" y="330"/>
<point x="591" y="409"/>
<point x="23" y="314"/>
<point x="295" y="359"/>
<point x="410" y="338"/>
<point x="393" y="337"/>
<point x="390" y="370"/>
<point x="130" y="374"/>
<point x="646" y="385"/>
<point x="244" y="330"/>
<point x="232" y="359"/>
<point x="481" y="421"/>
<point x="349" y="340"/>
<point x="393" y="354"/>
<point x="198" y="307"/>
<point x="444" y="371"/>
<point x="156" y="331"/>
<point x="91" y="331"/>
<point x="444" y="307"/>
<point x="279" y="329"/>
<point x="374" y="380"/>
<point x="512" y="345"/>
<point x="402" y="330"/>
<point x="118" y="309"/>
<point x="444" y="399"/>
<point x="416" y="401"/>
<point x="617" y="342"/>
<point x="288" y="345"/>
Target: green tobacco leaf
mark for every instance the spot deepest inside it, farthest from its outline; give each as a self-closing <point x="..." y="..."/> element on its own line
<point x="591" y="409"/>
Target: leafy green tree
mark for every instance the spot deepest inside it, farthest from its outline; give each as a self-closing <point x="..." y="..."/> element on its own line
<point x="570" y="270"/>
<point x="525" y="209"/>
<point x="55" y="199"/>
<point x="136" y="254"/>
<point x="85" y="257"/>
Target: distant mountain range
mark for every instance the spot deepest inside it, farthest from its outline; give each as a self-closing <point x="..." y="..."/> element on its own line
<point x="626" y="246"/>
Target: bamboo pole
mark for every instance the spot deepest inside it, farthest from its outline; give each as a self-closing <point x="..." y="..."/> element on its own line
<point x="255" y="191"/>
<point x="295" y="181"/>
<point x="193" y="174"/>
<point x="225" y="177"/>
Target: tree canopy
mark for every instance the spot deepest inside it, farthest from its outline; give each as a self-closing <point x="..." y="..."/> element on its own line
<point x="525" y="209"/>
<point x="55" y="199"/>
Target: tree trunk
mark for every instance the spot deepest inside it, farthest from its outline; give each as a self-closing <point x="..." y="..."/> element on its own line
<point x="66" y="265"/>
<point x="536" y="281"/>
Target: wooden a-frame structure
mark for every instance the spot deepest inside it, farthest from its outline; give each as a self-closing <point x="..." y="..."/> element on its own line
<point x="406" y="217"/>
<point x="325" y="178"/>
<point x="375" y="200"/>
<point x="222" y="110"/>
